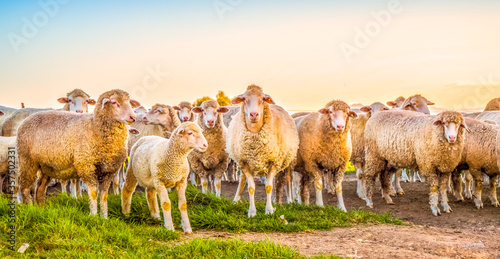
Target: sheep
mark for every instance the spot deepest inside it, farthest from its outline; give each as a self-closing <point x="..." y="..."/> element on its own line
<point x="7" y="150"/>
<point x="492" y="105"/>
<point x="184" y="111"/>
<point x="6" y="112"/>
<point x="75" y="101"/>
<point x="262" y="140"/>
<point x="300" y="114"/>
<point x="66" y="145"/>
<point x="215" y="160"/>
<point x="233" y="169"/>
<point x="12" y="122"/>
<point x="157" y="164"/>
<point x="357" y="137"/>
<point x="431" y="144"/>
<point x="478" y="156"/>
<point x="324" y="147"/>
<point x="228" y="116"/>
<point x="397" y="103"/>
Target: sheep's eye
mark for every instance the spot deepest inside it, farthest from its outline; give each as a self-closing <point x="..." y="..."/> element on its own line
<point x="158" y="111"/>
<point x="70" y="100"/>
<point x="190" y="133"/>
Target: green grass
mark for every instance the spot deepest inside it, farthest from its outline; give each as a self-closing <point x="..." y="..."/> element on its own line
<point x="64" y="228"/>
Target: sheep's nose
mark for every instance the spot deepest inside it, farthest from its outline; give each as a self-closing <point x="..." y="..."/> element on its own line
<point x="254" y="115"/>
<point x="210" y="122"/>
<point x="144" y="118"/>
<point x="79" y="111"/>
<point x="132" y="118"/>
<point x="340" y="127"/>
<point x="452" y="138"/>
<point x="204" y="145"/>
<point x="185" y="118"/>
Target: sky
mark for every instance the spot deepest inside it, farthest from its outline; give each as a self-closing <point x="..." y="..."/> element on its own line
<point x="303" y="53"/>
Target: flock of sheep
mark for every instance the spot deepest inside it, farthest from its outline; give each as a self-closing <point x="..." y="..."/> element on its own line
<point x="167" y="145"/>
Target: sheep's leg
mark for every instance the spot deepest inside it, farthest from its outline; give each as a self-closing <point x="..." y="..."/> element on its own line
<point x="478" y="187"/>
<point x="165" y="205"/>
<point x="397" y="182"/>
<point x="192" y="177"/>
<point x="468" y="184"/>
<point x="404" y="176"/>
<point x="72" y="187"/>
<point x="338" y="177"/>
<point x="326" y="183"/>
<point x="78" y="187"/>
<point x="116" y="183"/>
<point x="493" y="191"/>
<point x="296" y="180"/>
<point x="252" y="211"/>
<point x="152" y="203"/>
<point x="204" y="184"/>
<point x="360" y="190"/>
<point x="28" y="173"/>
<point x="434" y="195"/>
<point x="416" y="176"/>
<point x="128" y="190"/>
<point x="318" y="185"/>
<point x="218" y="185"/>
<point x="279" y="184"/>
<point x="457" y="185"/>
<point x="450" y="184"/>
<point x="288" y="179"/>
<point x="241" y="185"/>
<point x="181" y="192"/>
<point x="64" y="185"/>
<point x="443" y="185"/>
<point x="41" y="190"/>
<point x="269" y="190"/>
<point x="385" y="182"/>
<point x="103" y="192"/>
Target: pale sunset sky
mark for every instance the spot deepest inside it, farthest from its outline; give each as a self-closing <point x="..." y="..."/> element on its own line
<point x="303" y="53"/>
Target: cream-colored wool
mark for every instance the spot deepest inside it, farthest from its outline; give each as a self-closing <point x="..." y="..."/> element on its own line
<point x="7" y="111"/>
<point x="266" y="152"/>
<point x="300" y="114"/>
<point x="490" y="116"/>
<point x="323" y="149"/>
<point x="181" y="107"/>
<point x="157" y="164"/>
<point x="214" y="161"/>
<point x="479" y="156"/>
<point x="358" y="147"/>
<point x="405" y="139"/>
<point x="5" y="143"/>
<point x="492" y="105"/>
<point x="74" y="94"/>
<point x="228" y="116"/>
<point x="66" y="145"/>
<point x="12" y="122"/>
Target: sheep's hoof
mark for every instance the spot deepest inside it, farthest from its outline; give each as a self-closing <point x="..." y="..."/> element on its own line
<point x="460" y="199"/>
<point x="252" y="214"/>
<point x="369" y="206"/>
<point x="270" y="211"/>
<point x="448" y="210"/>
<point x="495" y="204"/>
<point x="401" y="193"/>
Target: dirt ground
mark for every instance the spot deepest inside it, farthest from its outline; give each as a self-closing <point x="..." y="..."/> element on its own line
<point x="465" y="233"/>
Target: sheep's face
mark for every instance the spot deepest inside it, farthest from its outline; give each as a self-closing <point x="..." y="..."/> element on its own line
<point x="252" y="102"/>
<point x="193" y="136"/>
<point x="451" y="128"/>
<point x="396" y="103"/>
<point x="157" y="116"/>
<point x="77" y="104"/>
<point x="374" y="108"/>
<point x="417" y="103"/>
<point x="184" y="112"/>
<point x="140" y="110"/>
<point x="120" y="108"/>
<point x="210" y="114"/>
<point x="338" y="118"/>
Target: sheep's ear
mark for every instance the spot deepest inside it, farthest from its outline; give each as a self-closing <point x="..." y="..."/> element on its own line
<point x="391" y="103"/>
<point x="365" y="109"/>
<point x="465" y="127"/>
<point x="91" y="101"/>
<point x="134" y="103"/>
<point x="63" y="100"/>
<point x="1" y="113"/>
<point x="104" y="101"/>
<point x="268" y="99"/>
<point x="438" y="123"/>
<point x="197" y="109"/>
<point x="238" y="99"/>
<point x="324" y="111"/>
<point x="222" y="110"/>
<point x="352" y="114"/>
<point x="430" y="103"/>
<point x="176" y="108"/>
<point x="134" y="131"/>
